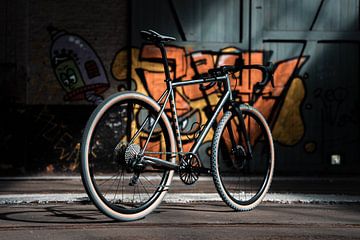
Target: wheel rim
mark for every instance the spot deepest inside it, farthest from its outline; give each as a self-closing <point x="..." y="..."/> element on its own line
<point x="110" y="177"/>
<point x="244" y="178"/>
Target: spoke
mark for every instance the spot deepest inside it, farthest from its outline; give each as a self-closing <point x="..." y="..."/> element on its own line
<point x="111" y="185"/>
<point x="122" y="186"/>
<point x="115" y="175"/>
<point x="133" y="200"/>
<point x="144" y="187"/>
<point x="139" y="194"/>
<point x="149" y="181"/>
<point x="239" y="184"/>
<point x="125" y="120"/>
<point x="117" y="188"/>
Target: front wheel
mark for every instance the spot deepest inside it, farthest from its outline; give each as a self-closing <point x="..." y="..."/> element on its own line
<point x="242" y="170"/>
<point x="116" y="180"/>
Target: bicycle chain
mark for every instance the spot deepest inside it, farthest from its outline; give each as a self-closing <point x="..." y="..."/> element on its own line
<point x="167" y="153"/>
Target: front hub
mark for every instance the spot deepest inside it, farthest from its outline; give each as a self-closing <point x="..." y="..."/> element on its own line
<point x="239" y="157"/>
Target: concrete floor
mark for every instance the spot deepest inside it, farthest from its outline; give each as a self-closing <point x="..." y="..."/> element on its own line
<point x="183" y="221"/>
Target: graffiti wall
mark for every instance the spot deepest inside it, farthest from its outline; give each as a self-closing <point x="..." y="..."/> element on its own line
<point x="280" y="104"/>
<point x="77" y="67"/>
<point x="73" y="55"/>
<point x="316" y="50"/>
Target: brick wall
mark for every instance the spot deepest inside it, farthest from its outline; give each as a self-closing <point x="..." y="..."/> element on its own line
<point x="103" y="24"/>
<point x="40" y="132"/>
<point x="13" y="50"/>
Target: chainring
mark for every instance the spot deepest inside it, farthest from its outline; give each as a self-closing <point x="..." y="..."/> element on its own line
<point x="189" y="169"/>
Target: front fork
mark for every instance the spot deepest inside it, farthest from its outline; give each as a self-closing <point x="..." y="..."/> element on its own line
<point x="245" y="134"/>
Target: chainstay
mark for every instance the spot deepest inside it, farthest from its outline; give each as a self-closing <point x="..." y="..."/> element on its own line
<point x="167" y="153"/>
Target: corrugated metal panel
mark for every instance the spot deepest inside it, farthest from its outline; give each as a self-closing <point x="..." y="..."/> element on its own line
<point x="220" y="21"/>
<point x="333" y="99"/>
<point x="292" y="15"/>
<point x="152" y="14"/>
<point x="202" y="21"/>
<point x="338" y="15"/>
<point x="326" y="31"/>
<point x="283" y="50"/>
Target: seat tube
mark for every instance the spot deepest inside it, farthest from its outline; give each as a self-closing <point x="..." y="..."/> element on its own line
<point x="175" y="120"/>
<point x="165" y="61"/>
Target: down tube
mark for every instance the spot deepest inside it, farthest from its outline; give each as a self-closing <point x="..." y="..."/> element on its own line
<point x="219" y="107"/>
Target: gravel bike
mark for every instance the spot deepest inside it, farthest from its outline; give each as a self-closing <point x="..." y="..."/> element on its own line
<point x="131" y="147"/>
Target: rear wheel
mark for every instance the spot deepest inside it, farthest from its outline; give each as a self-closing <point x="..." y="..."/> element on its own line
<point x="242" y="172"/>
<point x="115" y="178"/>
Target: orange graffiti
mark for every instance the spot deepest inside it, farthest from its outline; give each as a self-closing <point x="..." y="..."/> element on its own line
<point x="199" y="63"/>
<point x="148" y="73"/>
<point x="176" y="57"/>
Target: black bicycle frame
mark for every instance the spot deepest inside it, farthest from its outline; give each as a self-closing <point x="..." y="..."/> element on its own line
<point x="169" y="95"/>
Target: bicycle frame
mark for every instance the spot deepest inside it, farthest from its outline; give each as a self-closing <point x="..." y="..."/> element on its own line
<point x="169" y="95"/>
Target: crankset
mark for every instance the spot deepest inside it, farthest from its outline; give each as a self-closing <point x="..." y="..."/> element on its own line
<point x="189" y="169"/>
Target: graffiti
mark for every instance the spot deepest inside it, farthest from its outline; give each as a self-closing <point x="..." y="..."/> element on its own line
<point x="82" y="76"/>
<point x="195" y="105"/>
<point x="68" y="154"/>
<point x="77" y="67"/>
<point x="289" y="127"/>
<point x="53" y="143"/>
<point x="332" y="101"/>
<point x="310" y="147"/>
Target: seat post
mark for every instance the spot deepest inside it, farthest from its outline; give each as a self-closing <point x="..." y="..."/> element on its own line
<point x="164" y="60"/>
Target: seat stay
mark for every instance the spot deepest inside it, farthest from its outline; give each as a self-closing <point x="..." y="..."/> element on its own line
<point x="147" y="119"/>
<point x="156" y="121"/>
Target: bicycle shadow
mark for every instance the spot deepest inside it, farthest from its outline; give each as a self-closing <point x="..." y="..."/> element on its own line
<point x="87" y="214"/>
<point x="57" y="214"/>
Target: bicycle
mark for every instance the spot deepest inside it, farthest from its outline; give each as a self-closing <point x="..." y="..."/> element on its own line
<point x="127" y="174"/>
